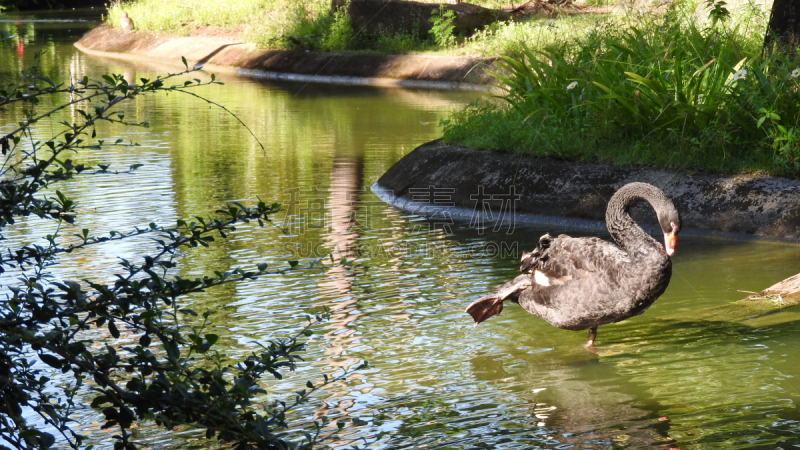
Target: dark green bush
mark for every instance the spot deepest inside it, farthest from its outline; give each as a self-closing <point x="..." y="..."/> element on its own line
<point x="172" y="373"/>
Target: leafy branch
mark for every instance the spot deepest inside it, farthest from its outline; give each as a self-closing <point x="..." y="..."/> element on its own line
<point x="173" y="374"/>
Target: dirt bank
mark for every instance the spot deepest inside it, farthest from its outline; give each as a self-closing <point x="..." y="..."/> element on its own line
<point x="226" y="54"/>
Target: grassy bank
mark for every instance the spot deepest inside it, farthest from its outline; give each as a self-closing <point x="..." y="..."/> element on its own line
<point x="312" y="25"/>
<point x="663" y="90"/>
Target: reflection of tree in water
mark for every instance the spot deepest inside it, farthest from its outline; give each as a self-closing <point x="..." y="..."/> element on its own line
<point x="346" y="176"/>
<point x="348" y="221"/>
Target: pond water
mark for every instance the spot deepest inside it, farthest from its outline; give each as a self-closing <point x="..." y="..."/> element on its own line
<point x="671" y="378"/>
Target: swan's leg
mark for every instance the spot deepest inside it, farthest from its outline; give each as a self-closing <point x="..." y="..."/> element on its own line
<point x="592" y="336"/>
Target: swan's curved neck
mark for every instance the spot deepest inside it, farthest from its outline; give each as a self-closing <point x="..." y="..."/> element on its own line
<point x="623" y="229"/>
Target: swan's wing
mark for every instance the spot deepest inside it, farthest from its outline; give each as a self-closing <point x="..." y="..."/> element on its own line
<point x="492" y="304"/>
<point x="567" y="261"/>
<point x="554" y="265"/>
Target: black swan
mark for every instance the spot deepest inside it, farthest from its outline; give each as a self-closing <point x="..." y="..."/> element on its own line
<point x="582" y="283"/>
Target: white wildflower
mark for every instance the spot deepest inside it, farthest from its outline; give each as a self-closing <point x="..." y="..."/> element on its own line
<point x="795" y="73"/>
<point x="740" y="75"/>
<point x="572" y="85"/>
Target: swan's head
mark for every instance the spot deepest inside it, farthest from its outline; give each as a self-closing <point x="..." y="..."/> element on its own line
<point x="670" y="222"/>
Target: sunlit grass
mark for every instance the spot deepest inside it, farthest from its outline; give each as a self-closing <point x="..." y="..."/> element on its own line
<point x="509" y="38"/>
<point x="184" y="16"/>
<point x="672" y="90"/>
<point x="312" y="25"/>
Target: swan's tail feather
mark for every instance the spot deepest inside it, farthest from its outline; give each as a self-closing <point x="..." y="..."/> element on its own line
<point x="492" y="304"/>
<point x="532" y="260"/>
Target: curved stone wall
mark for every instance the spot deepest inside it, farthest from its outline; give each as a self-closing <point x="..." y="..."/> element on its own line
<point x="229" y="55"/>
<point x="440" y="179"/>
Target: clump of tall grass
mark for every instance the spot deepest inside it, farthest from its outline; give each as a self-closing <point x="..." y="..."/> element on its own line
<point x="510" y="38"/>
<point x="663" y="91"/>
<point x="307" y="26"/>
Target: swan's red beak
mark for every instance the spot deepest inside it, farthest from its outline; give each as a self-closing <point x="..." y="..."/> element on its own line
<point x="669" y="242"/>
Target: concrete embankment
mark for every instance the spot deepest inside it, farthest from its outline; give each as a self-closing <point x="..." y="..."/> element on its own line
<point x="229" y="55"/>
<point x="467" y="182"/>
